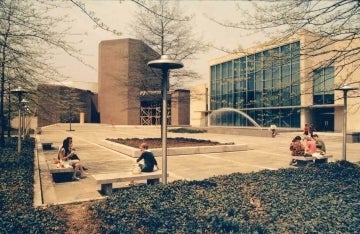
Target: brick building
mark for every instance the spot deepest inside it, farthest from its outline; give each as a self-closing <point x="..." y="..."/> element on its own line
<point x="57" y="103"/>
<point x="128" y="91"/>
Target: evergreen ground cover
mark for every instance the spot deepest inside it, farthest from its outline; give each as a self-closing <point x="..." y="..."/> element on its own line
<point x="17" y="214"/>
<point x="319" y="199"/>
<point x="322" y="198"/>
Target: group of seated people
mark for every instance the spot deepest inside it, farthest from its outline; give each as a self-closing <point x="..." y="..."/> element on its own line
<point x="68" y="157"/>
<point x="306" y="147"/>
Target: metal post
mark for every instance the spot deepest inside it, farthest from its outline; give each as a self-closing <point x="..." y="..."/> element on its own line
<point x="345" y="90"/>
<point x="19" y="129"/>
<point x="165" y="63"/>
<point x="23" y="105"/>
<point x="19" y="92"/>
<point x="23" y="124"/>
<point x="70" y="116"/>
<point x="164" y="82"/>
<point x="344" y="126"/>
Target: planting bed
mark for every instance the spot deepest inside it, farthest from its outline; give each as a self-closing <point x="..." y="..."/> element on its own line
<point x="171" y="142"/>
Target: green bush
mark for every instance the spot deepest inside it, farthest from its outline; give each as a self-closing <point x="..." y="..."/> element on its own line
<point x="187" y="130"/>
<point x="323" y="198"/>
<point x="17" y="214"/>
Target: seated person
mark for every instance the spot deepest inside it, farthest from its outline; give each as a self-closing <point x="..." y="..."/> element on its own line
<point x="296" y="148"/>
<point x="150" y="162"/>
<point x="148" y="157"/>
<point x="310" y="146"/>
<point x="320" y="145"/>
<point x="74" y="156"/>
<point x="65" y="154"/>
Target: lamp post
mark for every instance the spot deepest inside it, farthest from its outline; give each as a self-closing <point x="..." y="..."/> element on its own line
<point x="165" y="63"/>
<point x="345" y="90"/>
<point x="70" y="117"/>
<point x="19" y="92"/>
<point x="24" y="103"/>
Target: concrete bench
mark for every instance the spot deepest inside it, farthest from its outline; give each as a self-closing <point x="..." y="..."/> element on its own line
<point x="47" y="145"/>
<point x="59" y="173"/>
<point x="320" y="159"/>
<point x="107" y="180"/>
<point x="54" y="169"/>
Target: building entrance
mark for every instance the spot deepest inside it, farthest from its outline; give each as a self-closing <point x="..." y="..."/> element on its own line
<point x="150" y="115"/>
<point x="323" y="119"/>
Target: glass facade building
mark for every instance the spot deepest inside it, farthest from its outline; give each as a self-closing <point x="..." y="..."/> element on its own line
<point x="265" y="87"/>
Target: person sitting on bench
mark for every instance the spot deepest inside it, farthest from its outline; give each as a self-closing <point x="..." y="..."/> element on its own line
<point x="65" y="154"/>
<point x="296" y="148"/>
<point x="320" y="145"/>
<point x="74" y="156"/>
<point x="310" y="147"/>
<point x="150" y="162"/>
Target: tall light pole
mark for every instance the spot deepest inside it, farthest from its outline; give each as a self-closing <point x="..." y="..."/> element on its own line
<point x="345" y="90"/>
<point x="19" y="92"/>
<point x="24" y="103"/>
<point x="165" y="63"/>
<point x="70" y="117"/>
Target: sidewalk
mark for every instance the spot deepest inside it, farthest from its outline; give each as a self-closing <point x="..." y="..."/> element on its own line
<point x="89" y="140"/>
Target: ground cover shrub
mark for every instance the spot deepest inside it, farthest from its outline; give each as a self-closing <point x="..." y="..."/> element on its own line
<point x="323" y="198"/>
<point x="187" y="130"/>
<point x="320" y="199"/>
<point x="17" y="214"/>
<point x="171" y="142"/>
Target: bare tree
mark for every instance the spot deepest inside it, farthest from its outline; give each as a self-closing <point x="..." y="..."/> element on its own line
<point x="336" y="25"/>
<point x="29" y="35"/>
<point x="332" y="38"/>
<point x="164" y="27"/>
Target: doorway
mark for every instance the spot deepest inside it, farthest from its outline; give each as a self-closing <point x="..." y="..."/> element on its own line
<point x="323" y="119"/>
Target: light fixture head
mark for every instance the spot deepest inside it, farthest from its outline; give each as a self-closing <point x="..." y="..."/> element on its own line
<point x="165" y="62"/>
<point x="19" y="91"/>
<point x="24" y="101"/>
<point x="346" y="88"/>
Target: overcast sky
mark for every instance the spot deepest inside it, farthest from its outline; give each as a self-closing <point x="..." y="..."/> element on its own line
<point x="118" y="16"/>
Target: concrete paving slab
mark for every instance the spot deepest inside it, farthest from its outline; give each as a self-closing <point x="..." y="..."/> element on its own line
<point x="263" y="153"/>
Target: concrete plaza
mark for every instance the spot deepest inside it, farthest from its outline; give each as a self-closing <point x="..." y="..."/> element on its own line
<point x="90" y="143"/>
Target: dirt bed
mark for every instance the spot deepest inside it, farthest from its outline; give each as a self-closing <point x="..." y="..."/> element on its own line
<point x="171" y="142"/>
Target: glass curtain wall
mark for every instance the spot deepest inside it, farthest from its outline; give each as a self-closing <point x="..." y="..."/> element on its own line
<point x="323" y="80"/>
<point x="265" y="86"/>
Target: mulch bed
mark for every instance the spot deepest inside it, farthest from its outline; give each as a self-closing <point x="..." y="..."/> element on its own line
<point x="171" y="142"/>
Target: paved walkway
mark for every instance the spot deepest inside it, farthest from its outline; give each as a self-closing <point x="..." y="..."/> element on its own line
<point x="89" y="140"/>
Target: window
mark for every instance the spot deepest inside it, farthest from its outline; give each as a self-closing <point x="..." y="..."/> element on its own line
<point x="262" y="81"/>
<point x="323" y="86"/>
